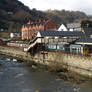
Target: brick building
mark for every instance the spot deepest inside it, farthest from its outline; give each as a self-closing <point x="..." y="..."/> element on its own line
<point x="30" y="29"/>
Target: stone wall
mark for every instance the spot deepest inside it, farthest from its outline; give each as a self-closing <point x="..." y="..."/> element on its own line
<point x="15" y="52"/>
<point x="76" y="63"/>
<point x="79" y="64"/>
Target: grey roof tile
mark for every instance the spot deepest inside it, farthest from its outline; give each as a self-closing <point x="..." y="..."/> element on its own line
<point x="86" y="40"/>
<point x="60" y="33"/>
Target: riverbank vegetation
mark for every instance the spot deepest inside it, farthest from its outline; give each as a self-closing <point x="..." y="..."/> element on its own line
<point x="63" y="73"/>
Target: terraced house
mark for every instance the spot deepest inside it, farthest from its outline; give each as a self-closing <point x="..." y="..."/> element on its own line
<point x="30" y="29"/>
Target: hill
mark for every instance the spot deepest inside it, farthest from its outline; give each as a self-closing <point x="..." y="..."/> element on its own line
<point x="13" y="14"/>
<point x="64" y="16"/>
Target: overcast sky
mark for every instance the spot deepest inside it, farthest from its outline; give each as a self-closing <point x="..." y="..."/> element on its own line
<point x="80" y="5"/>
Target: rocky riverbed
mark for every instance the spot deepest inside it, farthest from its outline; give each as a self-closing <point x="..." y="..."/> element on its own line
<point x="18" y="76"/>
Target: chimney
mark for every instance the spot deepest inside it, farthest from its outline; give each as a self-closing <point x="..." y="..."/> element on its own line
<point x="29" y="22"/>
<point x="39" y="20"/>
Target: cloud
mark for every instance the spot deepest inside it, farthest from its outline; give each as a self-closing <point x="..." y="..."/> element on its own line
<point x="80" y="5"/>
<point x="84" y="5"/>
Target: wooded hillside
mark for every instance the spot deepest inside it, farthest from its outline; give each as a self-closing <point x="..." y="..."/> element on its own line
<point x="13" y="14"/>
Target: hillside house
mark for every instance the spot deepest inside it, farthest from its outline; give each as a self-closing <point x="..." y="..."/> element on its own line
<point x="74" y="27"/>
<point x="30" y="29"/>
<point x="62" y="28"/>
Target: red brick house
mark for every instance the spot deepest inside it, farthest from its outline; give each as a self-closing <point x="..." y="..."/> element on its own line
<point x="30" y="29"/>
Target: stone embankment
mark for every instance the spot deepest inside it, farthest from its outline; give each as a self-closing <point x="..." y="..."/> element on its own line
<point x="75" y="63"/>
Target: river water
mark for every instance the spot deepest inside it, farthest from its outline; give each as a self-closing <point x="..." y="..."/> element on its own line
<point x="16" y="76"/>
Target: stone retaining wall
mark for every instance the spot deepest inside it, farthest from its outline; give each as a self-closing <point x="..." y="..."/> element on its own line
<point x="76" y="63"/>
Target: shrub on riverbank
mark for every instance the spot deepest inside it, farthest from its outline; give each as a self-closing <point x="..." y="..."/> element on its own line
<point x="0" y="64"/>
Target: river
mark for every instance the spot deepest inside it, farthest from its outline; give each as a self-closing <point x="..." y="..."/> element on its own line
<point x="16" y="76"/>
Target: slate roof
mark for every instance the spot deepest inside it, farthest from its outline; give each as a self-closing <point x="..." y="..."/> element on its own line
<point x="61" y="33"/>
<point x="73" y="25"/>
<point x="37" y="23"/>
<point x="85" y="40"/>
<point x="28" y="25"/>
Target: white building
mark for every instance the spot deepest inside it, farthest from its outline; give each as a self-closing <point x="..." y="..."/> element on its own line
<point x="62" y="28"/>
<point x="74" y="27"/>
<point x="12" y="35"/>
